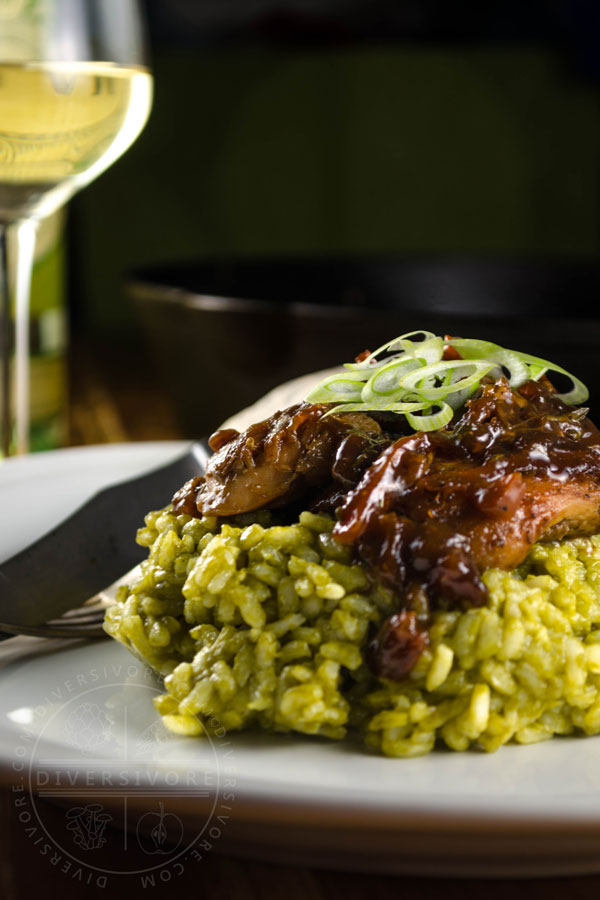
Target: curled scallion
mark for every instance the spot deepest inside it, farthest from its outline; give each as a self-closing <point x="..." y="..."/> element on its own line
<point x="409" y="376"/>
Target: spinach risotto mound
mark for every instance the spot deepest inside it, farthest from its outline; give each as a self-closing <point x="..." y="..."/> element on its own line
<point x="255" y="625"/>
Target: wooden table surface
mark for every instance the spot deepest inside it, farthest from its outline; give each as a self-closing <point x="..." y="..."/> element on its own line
<point x="111" y="401"/>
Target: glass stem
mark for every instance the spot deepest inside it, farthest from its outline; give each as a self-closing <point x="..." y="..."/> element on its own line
<point x="25" y="231"/>
<point x="14" y="376"/>
<point x="5" y="347"/>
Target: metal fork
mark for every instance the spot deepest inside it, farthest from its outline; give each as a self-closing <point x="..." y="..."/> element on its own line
<point x="84" y="621"/>
<point x="56" y="586"/>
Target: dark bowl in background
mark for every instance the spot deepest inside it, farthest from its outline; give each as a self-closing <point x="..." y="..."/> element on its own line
<point x="224" y="332"/>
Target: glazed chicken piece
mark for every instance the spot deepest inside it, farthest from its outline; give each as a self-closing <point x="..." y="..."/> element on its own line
<point x="272" y="463"/>
<point x="438" y="508"/>
<point x="427" y="512"/>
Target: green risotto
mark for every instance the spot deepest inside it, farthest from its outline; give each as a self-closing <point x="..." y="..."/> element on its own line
<point x="261" y="626"/>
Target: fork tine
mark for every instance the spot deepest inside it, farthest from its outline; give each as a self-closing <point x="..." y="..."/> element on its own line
<point x="73" y="627"/>
<point x="79" y="617"/>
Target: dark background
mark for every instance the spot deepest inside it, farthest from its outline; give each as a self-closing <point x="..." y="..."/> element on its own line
<point x="423" y="132"/>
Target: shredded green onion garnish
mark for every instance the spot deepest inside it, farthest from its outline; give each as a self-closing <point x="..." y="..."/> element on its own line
<point x="409" y="376"/>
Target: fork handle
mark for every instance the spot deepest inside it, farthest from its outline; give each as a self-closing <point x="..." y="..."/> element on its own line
<point x="91" y="548"/>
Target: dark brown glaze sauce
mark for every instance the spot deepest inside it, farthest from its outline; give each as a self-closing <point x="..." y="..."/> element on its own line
<point x="438" y="508"/>
<point x="398" y="645"/>
<point x="296" y="452"/>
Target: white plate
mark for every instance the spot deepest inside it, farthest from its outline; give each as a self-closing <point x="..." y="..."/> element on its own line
<point x="77" y="725"/>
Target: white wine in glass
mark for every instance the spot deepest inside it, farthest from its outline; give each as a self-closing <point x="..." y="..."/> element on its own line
<point x="75" y="92"/>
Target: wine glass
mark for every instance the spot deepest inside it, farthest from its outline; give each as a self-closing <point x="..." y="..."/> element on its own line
<point x="75" y="92"/>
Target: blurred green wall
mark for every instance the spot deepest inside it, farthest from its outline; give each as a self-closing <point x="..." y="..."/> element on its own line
<point x="396" y="149"/>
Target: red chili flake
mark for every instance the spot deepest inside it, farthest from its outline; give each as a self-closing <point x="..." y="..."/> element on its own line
<point x="449" y="351"/>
